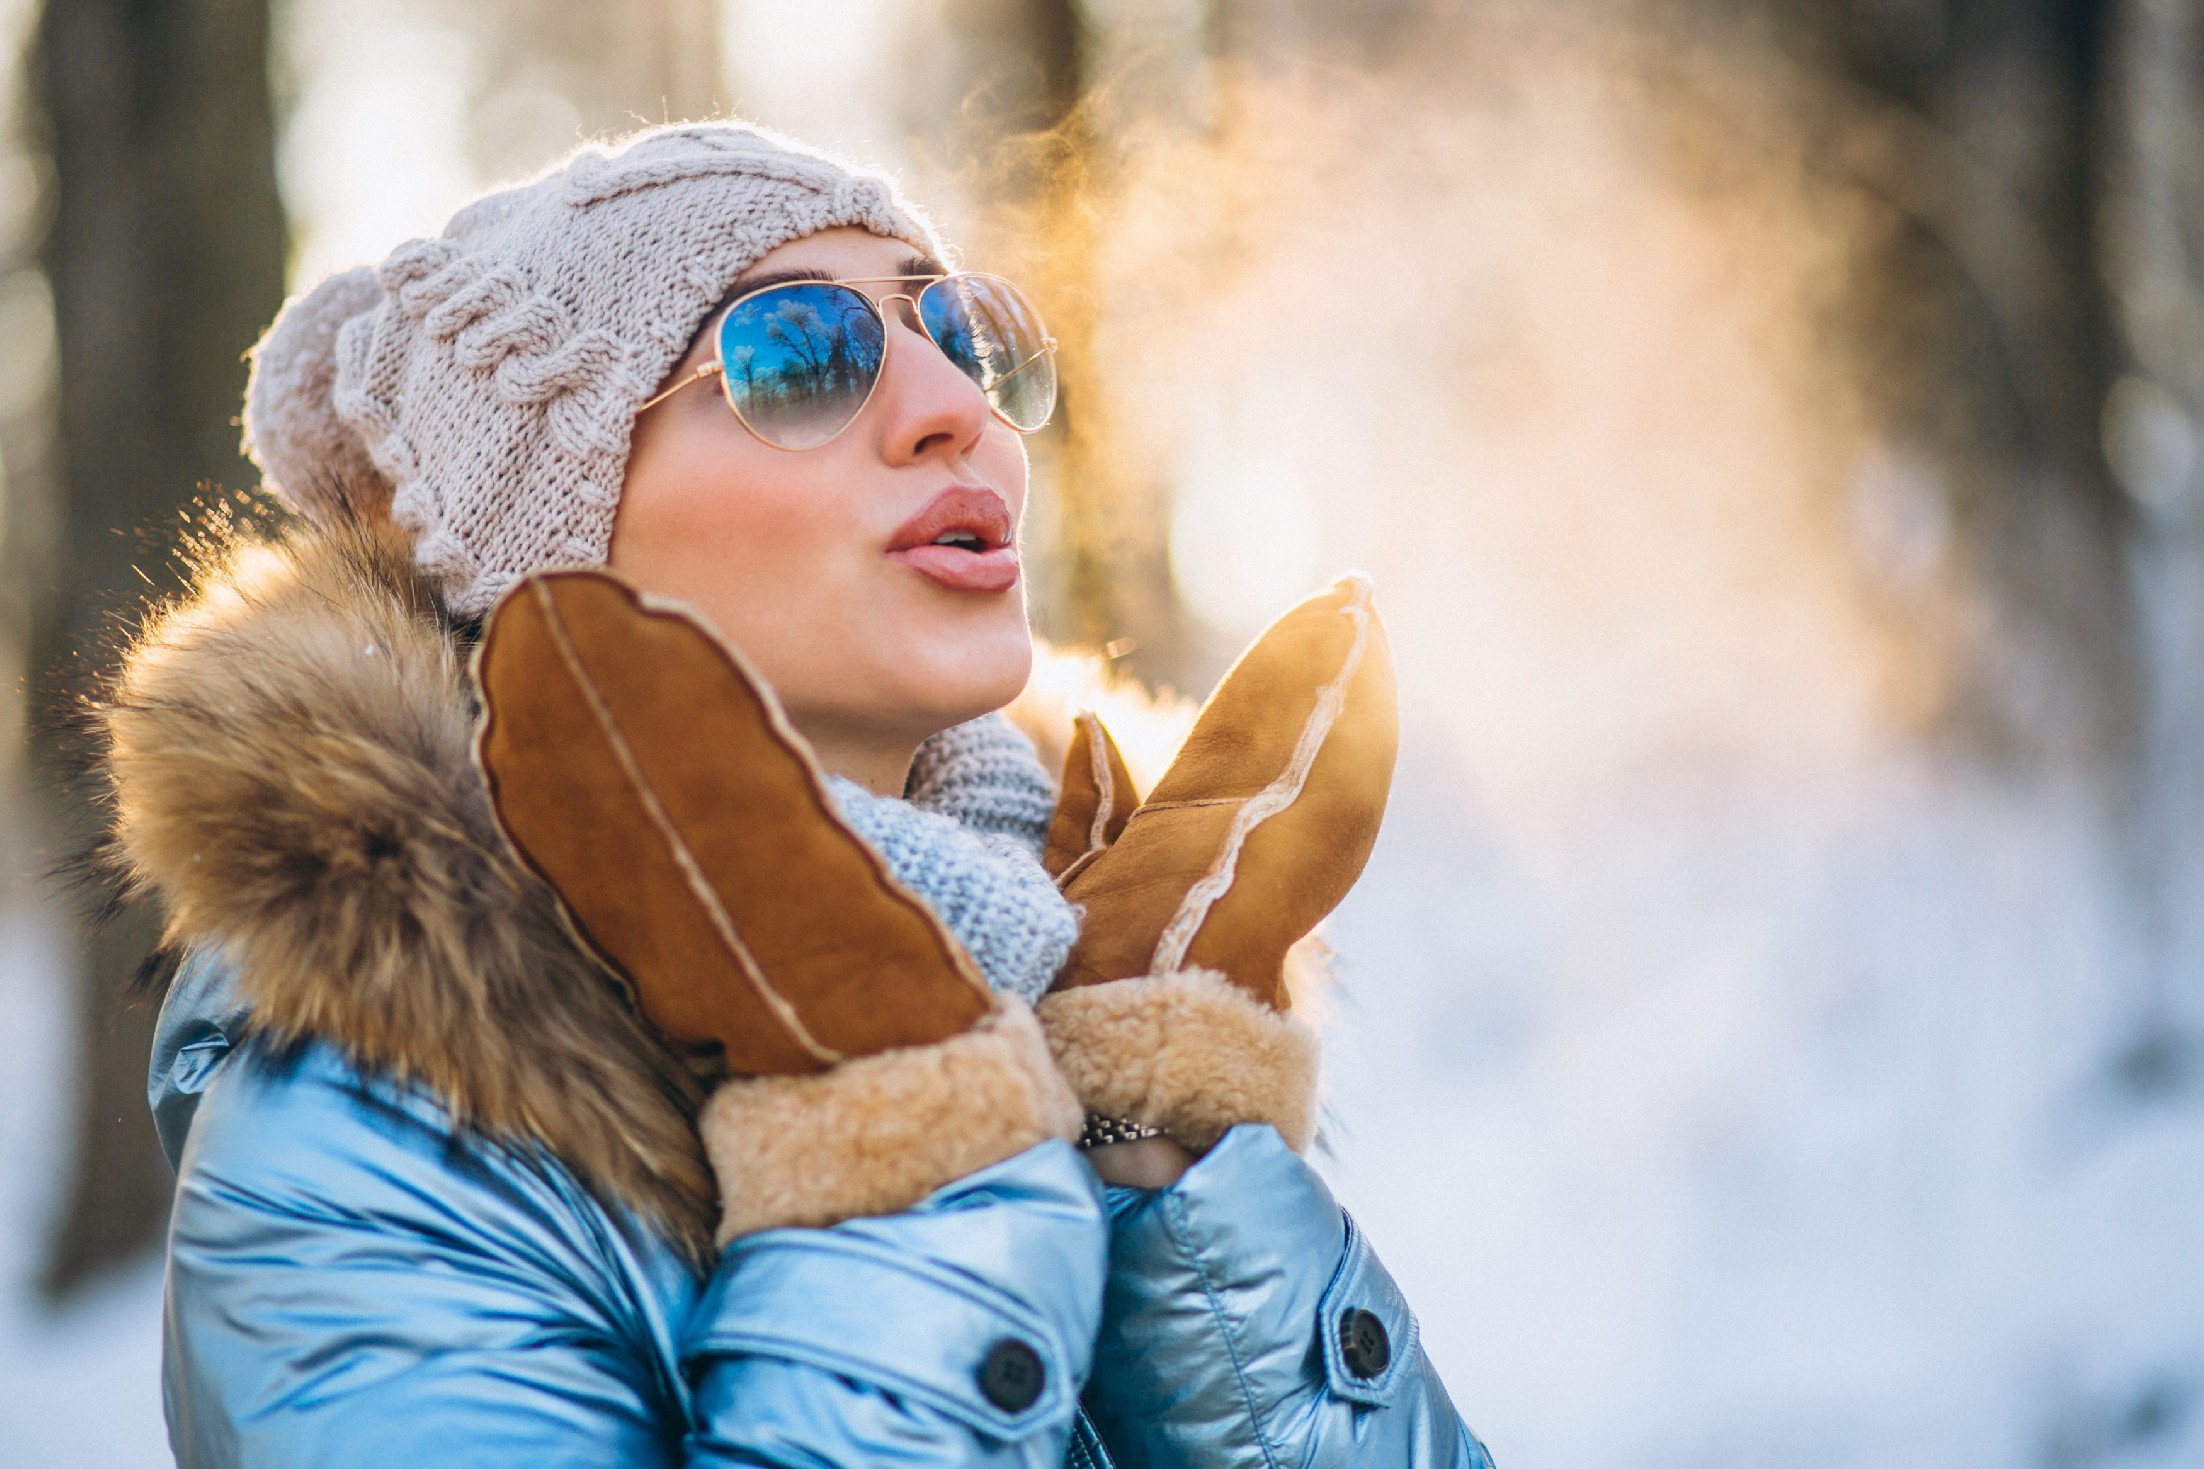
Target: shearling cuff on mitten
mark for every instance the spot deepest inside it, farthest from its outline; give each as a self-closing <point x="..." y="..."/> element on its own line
<point x="1189" y="1052"/>
<point x="879" y="1133"/>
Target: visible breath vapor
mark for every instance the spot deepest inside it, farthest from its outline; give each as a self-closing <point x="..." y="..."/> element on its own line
<point x="1551" y="356"/>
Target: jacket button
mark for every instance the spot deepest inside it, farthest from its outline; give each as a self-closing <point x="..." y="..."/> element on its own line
<point x="1011" y="1375"/>
<point x="1362" y="1343"/>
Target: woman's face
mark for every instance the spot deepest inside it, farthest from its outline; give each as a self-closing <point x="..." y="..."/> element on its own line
<point x="832" y="568"/>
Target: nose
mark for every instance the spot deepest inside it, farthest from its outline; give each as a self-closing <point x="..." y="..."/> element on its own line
<point x="929" y="407"/>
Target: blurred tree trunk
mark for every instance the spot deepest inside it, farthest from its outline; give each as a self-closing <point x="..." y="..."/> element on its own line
<point x="1988" y="321"/>
<point x="165" y="256"/>
<point x="2153" y="240"/>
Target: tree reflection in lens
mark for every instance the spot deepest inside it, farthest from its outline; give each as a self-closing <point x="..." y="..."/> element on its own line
<point x="995" y="337"/>
<point x="800" y="361"/>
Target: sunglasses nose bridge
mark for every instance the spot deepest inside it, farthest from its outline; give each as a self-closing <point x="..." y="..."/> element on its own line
<point x="908" y="316"/>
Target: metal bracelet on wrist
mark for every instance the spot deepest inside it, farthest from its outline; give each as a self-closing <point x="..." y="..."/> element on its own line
<point x="1101" y="1131"/>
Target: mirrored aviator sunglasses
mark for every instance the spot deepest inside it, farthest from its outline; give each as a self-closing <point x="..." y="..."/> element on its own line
<point x="799" y="361"/>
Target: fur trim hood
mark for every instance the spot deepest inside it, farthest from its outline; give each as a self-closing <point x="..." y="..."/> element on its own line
<point x="289" y="749"/>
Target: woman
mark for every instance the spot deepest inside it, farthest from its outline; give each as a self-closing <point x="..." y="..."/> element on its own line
<point x="621" y="1053"/>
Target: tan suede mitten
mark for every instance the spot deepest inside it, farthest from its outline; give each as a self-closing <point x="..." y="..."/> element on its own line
<point x="1172" y="1009"/>
<point x="641" y="767"/>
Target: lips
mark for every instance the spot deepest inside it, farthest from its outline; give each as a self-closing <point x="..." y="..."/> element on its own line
<point x="961" y="540"/>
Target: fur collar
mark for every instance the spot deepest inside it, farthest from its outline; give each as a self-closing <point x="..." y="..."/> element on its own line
<point x="290" y="753"/>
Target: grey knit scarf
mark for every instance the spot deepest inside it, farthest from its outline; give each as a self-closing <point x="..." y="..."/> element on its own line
<point x="967" y="838"/>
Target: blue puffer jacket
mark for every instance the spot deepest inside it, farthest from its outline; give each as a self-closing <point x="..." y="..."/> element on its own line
<point x="352" y="1282"/>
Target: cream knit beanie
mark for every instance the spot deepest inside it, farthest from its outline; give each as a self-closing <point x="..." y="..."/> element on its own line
<point x="479" y="388"/>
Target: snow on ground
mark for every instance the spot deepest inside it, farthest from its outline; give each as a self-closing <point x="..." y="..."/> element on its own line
<point x="1783" y="1140"/>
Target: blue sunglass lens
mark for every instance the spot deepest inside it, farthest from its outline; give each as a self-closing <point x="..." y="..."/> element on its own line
<point x="993" y="334"/>
<point x="800" y="360"/>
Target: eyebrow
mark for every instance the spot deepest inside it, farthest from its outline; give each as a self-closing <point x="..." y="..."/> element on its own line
<point x="914" y="265"/>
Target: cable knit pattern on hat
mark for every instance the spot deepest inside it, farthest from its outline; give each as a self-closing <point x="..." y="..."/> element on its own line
<point x="487" y="380"/>
<point x="980" y="871"/>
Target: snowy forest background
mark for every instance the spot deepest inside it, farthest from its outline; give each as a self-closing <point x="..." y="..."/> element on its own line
<point x="1771" y="1031"/>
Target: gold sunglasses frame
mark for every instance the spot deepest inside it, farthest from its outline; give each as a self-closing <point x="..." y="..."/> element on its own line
<point x="879" y="308"/>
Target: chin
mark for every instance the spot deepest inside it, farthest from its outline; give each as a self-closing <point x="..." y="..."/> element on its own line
<point x="952" y="679"/>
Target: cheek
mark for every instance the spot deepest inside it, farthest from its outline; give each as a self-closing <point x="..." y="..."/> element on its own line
<point x="1001" y="460"/>
<point x="764" y="516"/>
<point x="717" y="492"/>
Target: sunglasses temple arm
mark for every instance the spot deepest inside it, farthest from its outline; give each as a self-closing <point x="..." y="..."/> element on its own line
<point x="1021" y="367"/>
<point x="695" y="377"/>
